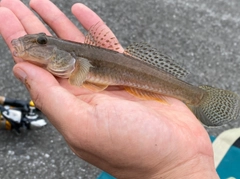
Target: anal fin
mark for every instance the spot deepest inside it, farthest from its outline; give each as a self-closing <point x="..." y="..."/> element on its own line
<point x="94" y="87"/>
<point x="146" y="94"/>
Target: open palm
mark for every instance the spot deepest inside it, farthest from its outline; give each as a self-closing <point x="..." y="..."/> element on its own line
<point x="113" y="130"/>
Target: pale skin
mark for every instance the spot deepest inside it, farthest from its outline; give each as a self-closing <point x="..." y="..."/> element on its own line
<point x="123" y="135"/>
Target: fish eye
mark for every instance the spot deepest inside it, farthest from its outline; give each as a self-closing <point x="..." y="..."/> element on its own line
<point x="42" y="40"/>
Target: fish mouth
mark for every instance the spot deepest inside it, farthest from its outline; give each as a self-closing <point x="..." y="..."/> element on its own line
<point x="18" y="48"/>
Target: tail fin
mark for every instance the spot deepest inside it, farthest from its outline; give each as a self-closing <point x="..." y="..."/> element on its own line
<point x="217" y="107"/>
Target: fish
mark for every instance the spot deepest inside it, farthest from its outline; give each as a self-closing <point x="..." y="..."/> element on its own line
<point x="141" y="70"/>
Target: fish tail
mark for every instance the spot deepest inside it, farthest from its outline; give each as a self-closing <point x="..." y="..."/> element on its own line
<point x="217" y="107"/>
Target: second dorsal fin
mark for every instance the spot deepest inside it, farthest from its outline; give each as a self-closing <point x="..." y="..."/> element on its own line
<point x="101" y="36"/>
<point x="151" y="56"/>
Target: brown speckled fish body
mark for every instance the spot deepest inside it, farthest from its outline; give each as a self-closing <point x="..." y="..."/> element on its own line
<point x="141" y="70"/>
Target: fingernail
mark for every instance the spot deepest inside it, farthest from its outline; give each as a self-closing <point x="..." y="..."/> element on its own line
<point x="20" y="74"/>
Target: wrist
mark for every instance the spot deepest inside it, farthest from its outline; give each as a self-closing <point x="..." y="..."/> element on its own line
<point x="199" y="167"/>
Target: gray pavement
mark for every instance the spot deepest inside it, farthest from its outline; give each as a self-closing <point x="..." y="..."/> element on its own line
<point x="203" y="36"/>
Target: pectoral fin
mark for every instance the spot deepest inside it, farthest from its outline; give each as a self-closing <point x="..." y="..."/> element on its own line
<point x="94" y="87"/>
<point x="146" y="94"/>
<point x="80" y="72"/>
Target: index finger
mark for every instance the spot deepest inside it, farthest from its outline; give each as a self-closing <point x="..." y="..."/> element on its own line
<point x="13" y="25"/>
<point x="10" y="27"/>
<point x="26" y="17"/>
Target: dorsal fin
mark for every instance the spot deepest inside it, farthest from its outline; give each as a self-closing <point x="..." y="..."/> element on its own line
<point x="151" y="56"/>
<point x="101" y="36"/>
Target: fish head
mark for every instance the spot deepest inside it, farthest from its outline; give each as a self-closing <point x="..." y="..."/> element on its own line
<point x="33" y="48"/>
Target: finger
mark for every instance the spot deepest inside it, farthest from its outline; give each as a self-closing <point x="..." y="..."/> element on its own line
<point x="27" y="18"/>
<point x="57" y="20"/>
<point x="86" y="16"/>
<point x="88" y="19"/>
<point x="10" y="27"/>
<point x="61" y="107"/>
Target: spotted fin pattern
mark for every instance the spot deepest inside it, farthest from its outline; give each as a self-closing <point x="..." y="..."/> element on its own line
<point x="101" y="36"/>
<point x="217" y="107"/>
<point x="150" y="55"/>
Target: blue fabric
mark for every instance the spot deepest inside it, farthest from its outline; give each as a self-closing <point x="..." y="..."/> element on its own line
<point x="105" y="175"/>
<point x="229" y="166"/>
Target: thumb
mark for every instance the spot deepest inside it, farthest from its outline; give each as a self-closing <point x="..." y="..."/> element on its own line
<point x="59" y="105"/>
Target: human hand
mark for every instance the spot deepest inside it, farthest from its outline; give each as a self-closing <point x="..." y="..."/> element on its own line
<point x="121" y="134"/>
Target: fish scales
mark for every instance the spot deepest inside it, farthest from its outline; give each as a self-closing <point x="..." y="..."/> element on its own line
<point x="120" y="69"/>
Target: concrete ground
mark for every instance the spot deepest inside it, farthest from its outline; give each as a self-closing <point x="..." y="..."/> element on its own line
<point x="203" y="36"/>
